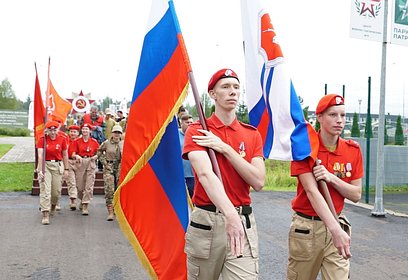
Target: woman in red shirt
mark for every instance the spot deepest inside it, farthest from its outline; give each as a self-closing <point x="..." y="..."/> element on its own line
<point x="50" y="174"/>
<point x="84" y="152"/>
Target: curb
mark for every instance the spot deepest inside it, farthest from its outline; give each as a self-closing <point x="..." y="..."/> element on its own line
<point x="370" y="207"/>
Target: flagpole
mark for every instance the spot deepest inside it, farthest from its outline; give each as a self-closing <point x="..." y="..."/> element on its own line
<point x="47" y="96"/>
<point x="326" y="195"/>
<point x="201" y="117"/>
<point x="35" y="134"/>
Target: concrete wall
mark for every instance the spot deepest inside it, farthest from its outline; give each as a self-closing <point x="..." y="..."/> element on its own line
<point x="395" y="163"/>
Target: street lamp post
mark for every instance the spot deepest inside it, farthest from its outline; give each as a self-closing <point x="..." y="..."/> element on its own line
<point x="359" y="112"/>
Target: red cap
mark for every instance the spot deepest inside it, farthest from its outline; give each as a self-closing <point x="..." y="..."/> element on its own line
<point x="58" y="119"/>
<point x="221" y="74"/>
<point x="88" y="125"/>
<point x="327" y="101"/>
<point x="73" y="127"/>
<point x="52" y="125"/>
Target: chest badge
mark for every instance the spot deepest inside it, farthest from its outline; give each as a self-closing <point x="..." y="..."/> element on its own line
<point x="241" y="149"/>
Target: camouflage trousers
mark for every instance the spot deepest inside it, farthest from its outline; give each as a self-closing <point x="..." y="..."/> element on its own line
<point x="111" y="179"/>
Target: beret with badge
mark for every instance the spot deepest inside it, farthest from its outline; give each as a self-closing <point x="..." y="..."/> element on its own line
<point x="328" y="101"/>
<point x="88" y="125"/>
<point x="221" y="74"/>
<point x="52" y="125"/>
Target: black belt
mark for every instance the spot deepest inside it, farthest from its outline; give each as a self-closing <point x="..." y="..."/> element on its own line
<point x="243" y="210"/>
<point x="53" y="160"/>
<point x="314" y="218"/>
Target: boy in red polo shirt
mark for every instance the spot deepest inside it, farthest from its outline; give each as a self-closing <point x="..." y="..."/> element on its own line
<point x="222" y="237"/>
<point x="316" y="240"/>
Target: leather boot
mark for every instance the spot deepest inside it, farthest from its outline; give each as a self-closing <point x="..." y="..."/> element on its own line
<point x="110" y="212"/>
<point x="85" y="211"/>
<point x="72" y="205"/>
<point x="53" y="209"/>
<point x="46" y="218"/>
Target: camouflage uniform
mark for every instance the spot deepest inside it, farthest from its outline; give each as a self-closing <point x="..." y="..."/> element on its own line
<point x="110" y="155"/>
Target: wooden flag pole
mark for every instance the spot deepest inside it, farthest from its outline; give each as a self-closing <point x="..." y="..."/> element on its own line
<point x="201" y="117"/>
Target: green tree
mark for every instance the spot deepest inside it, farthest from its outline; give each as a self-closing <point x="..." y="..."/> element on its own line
<point x="317" y="125"/>
<point x="8" y="98"/>
<point x="26" y="104"/>
<point x="105" y="103"/>
<point x="368" y="133"/>
<point x="399" y="134"/>
<point x="242" y="112"/>
<point x="355" y="129"/>
<point x="306" y="113"/>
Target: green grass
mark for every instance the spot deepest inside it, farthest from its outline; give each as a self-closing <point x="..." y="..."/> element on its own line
<point x="278" y="176"/>
<point x="4" y="148"/>
<point x="16" y="177"/>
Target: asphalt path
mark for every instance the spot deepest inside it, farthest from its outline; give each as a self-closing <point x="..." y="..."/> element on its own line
<point x="79" y="247"/>
<point x="89" y="247"/>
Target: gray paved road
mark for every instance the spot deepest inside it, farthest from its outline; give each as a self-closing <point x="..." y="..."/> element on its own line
<point x="77" y="247"/>
<point x="23" y="150"/>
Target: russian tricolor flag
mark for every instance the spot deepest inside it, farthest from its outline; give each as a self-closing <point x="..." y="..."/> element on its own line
<point x="273" y="105"/>
<point x="151" y="201"/>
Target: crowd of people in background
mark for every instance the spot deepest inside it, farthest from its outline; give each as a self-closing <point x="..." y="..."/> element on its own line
<point x="74" y="151"/>
<point x="84" y="144"/>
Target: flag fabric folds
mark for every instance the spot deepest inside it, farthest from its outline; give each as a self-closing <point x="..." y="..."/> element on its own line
<point x="39" y="110"/>
<point x="57" y="107"/>
<point x="273" y="104"/>
<point x="151" y="200"/>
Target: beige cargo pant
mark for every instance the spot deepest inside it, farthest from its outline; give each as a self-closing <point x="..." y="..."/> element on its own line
<point x="208" y="251"/>
<point x="311" y="249"/>
<point x="71" y="181"/>
<point x="85" y="179"/>
<point x="50" y="187"/>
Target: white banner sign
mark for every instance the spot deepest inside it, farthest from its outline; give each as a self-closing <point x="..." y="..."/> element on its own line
<point x="367" y="19"/>
<point x="399" y="22"/>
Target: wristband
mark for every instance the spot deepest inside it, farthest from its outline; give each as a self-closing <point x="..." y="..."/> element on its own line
<point x="66" y="169"/>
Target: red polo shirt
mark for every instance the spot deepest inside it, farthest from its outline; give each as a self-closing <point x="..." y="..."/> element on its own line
<point x="244" y="139"/>
<point x="54" y="147"/>
<point x="85" y="148"/>
<point x="345" y="162"/>
<point x="87" y="119"/>
<point x="71" y="146"/>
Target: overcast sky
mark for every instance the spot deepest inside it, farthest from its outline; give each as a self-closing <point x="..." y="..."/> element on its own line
<point x="95" y="46"/>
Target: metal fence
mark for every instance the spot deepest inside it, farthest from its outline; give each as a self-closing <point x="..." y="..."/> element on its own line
<point x="395" y="163"/>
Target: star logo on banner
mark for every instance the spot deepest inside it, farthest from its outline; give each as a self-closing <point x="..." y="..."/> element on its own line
<point x="80" y="102"/>
<point x="370" y="8"/>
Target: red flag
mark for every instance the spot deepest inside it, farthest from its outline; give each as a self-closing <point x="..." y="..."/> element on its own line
<point x="57" y="107"/>
<point x="39" y="110"/>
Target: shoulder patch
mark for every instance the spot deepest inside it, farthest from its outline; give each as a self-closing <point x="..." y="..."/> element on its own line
<point x="248" y="126"/>
<point x="352" y="143"/>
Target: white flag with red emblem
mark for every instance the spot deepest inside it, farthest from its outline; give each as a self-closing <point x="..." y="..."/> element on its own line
<point x="273" y="105"/>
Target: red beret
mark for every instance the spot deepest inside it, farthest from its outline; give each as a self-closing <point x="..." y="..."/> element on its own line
<point x="73" y="127"/>
<point x="327" y="101"/>
<point x="52" y="125"/>
<point x="88" y="125"/>
<point x="58" y="119"/>
<point x="221" y="74"/>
